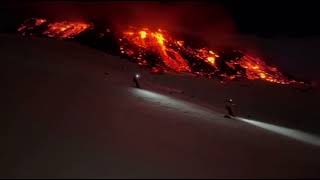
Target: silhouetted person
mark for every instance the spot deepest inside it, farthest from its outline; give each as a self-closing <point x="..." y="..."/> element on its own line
<point x="229" y="108"/>
<point x="136" y="80"/>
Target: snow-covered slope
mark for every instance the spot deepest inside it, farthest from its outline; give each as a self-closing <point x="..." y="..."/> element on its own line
<point x="71" y="111"/>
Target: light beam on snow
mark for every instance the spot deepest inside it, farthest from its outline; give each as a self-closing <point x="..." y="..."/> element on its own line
<point x="291" y="133"/>
<point x="163" y="99"/>
<point x="191" y="109"/>
<point x="199" y="111"/>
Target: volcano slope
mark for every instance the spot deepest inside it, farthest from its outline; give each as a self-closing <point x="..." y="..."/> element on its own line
<point x="69" y="111"/>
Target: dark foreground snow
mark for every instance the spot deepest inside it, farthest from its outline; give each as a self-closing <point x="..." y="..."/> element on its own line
<point x="63" y="117"/>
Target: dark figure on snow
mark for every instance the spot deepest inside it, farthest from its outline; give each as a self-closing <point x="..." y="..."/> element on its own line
<point x="136" y="80"/>
<point x="229" y="108"/>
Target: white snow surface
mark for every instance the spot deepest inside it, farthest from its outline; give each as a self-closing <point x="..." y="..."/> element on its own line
<point x="64" y="118"/>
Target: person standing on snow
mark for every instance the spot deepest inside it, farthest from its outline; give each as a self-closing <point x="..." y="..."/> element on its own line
<point x="136" y="80"/>
<point x="229" y="107"/>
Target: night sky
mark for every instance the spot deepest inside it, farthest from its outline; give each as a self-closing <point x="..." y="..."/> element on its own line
<point x="276" y="18"/>
<point x="263" y="18"/>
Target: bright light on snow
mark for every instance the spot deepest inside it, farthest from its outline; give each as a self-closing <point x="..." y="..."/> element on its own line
<point x="197" y="111"/>
<point x="291" y="133"/>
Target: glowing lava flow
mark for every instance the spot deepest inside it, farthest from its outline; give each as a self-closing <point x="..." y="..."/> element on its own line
<point x="160" y="52"/>
<point x="30" y="24"/>
<point x="156" y="41"/>
<point x="65" y="29"/>
<point x="170" y="51"/>
<point x="257" y="69"/>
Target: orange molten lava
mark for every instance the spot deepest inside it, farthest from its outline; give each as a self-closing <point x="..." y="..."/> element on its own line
<point x="143" y="34"/>
<point x="160" y="42"/>
<point x="34" y="23"/>
<point x="257" y="69"/>
<point x="157" y="41"/>
<point x="156" y="48"/>
<point x="40" y="21"/>
<point x="65" y="29"/>
<point x="205" y="55"/>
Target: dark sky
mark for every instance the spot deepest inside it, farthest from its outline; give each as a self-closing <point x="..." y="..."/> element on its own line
<point x="268" y="18"/>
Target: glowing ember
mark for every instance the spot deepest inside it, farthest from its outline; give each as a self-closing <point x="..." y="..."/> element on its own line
<point x="180" y="43"/>
<point x="205" y="55"/>
<point x="143" y="34"/>
<point x="211" y="60"/>
<point x="160" y="52"/>
<point x="31" y="24"/>
<point x="65" y="29"/>
<point x="40" y="21"/>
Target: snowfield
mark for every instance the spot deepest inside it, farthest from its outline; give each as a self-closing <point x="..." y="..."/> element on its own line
<point x="69" y="111"/>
